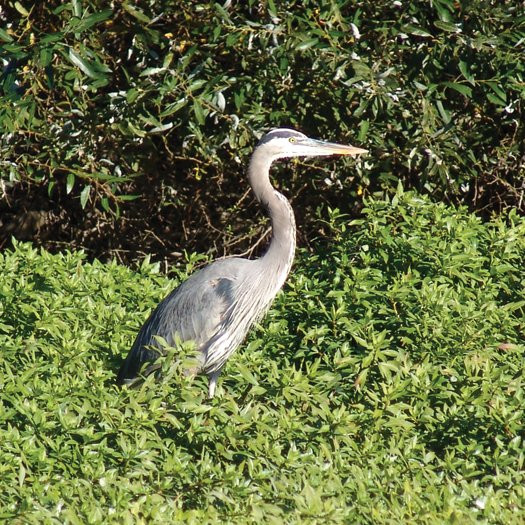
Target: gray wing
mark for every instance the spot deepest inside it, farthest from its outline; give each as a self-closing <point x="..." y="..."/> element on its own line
<point x="194" y="311"/>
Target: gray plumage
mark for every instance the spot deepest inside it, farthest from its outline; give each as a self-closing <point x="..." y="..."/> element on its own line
<point x="216" y="306"/>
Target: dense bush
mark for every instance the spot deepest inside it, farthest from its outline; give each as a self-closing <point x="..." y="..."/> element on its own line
<point x="104" y="101"/>
<point x="386" y="387"/>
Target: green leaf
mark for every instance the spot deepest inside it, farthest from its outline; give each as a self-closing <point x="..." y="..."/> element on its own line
<point x="363" y="130"/>
<point x="271" y="8"/>
<point x="46" y="56"/>
<point x="161" y="128"/>
<point x="135" y="130"/>
<point x="149" y="71"/>
<point x="500" y="93"/>
<point x="5" y="36"/>
<point x="70" y="182"/>
<point x="418" y="31"/>
<point x="52" y="38"/>
<point x="93" y="19"/>
<point x="173" y="108"/>
<point x="132" y="95"/>
<point x="496" y="100"/>
<point x="21" y="9"/>
<point x="460" y="88"/>
<point x="307" y="44"/>
<point x="128" y="197"/>
<point x="198" y="112"/>
<point x="84" y="195"/>
<point x="195" y="85"/>
<point x="465" y="71"/>
<point x="82" y="64"/>
<point x="137" y="13"/>
<point x="447" y="26"/>
<point x="445" y="114"/>
<point x="77" y="8"/>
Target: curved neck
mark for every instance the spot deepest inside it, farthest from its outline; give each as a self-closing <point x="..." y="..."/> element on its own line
<point x="281" y="251"/>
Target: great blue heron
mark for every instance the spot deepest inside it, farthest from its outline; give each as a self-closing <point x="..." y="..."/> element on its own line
<point x="216" y="306"/>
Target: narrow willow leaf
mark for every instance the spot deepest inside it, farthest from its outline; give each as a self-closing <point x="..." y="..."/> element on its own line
<point x="21" y="475"/>
<point x="173" y="108"/>
<point x="307" y="44"/>
<point x="496" y="100"/>
<point x="93" y="19"/>
<point x="52" y="37"/>
<point x="5" y="36"/>
<point x="447" y="26"/>
<point x="137" y="13"/>
<point x="465" y="71"/>
<point x="500" y="93"/>
<point x="198" y="112"/>
<point x="82" y="64"/>
<point x="271" y="8"/>
<point x="460" y="88"/>
<point x="162" y="127"/>
<point x="149" y="71"/>
<point x="21" y="9"/>
<point x="220" y="101"/>
<point x="128" y="197"/>
<point x="418" y="31"/>
<point x="84" y="195"/>
<point x="77" y="8"/>
<point x="46" y="56"/>
<point x="363" y="130"/>
<point x="445" y="115"/>
<point x="196" y="84"/>
<point x="70" y="182"/>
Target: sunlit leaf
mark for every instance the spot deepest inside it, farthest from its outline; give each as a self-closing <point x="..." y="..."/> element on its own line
<point x="21" y="9"/>
<point x="82" y="64"/>
<point x="137" y="13"/>
<point x="198" y="112"/>
<point x="460" y="88"/>
<point x="70" y="182"/>
<point x="93" y="19"/>
<point x="5" y="36"/>
<point x="84" y="195"/>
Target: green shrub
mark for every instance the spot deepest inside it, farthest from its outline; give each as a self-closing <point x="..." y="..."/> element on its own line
<point x="162" y="99"/>
<point x="387" y="386"/>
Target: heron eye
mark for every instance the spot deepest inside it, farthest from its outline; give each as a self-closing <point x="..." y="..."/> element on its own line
<point x="292" y="139"/>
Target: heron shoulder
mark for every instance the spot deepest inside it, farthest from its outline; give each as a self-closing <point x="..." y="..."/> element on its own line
<point x="215" y="283"/>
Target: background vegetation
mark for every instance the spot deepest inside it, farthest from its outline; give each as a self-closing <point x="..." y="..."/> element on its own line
<point x="162" y="101"/>
<point x="386" y="387"/>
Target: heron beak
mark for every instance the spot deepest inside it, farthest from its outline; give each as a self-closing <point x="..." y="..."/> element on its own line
<point x="329" y="148"/>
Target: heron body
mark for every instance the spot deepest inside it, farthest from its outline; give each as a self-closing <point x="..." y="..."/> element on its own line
<point x="216" y="306"/>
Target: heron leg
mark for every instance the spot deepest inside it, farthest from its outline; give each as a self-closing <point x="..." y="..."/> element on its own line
<point x="212" y="385"/>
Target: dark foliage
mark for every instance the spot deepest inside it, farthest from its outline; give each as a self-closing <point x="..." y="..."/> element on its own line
<point x="126" y="125"/>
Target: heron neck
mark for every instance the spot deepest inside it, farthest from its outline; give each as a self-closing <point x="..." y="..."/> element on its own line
<point x="281" y="251"/>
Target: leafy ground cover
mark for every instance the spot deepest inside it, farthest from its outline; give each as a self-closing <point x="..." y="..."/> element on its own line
<point x="387" y="386"/>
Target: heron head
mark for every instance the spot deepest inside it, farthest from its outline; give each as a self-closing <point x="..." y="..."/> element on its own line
<point x="282" y="143"/>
